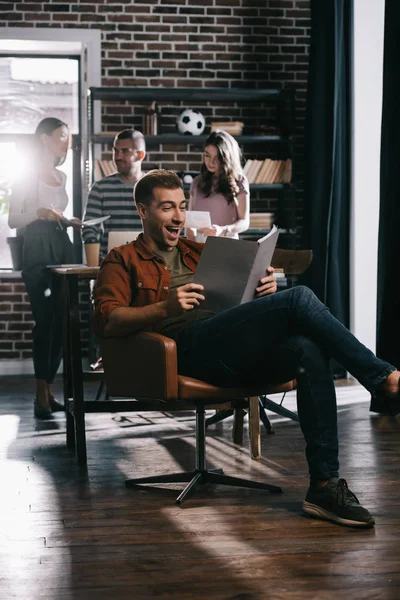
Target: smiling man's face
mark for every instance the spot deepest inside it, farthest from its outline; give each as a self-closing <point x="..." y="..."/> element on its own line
<point x="125" y="154"/>
<point x="163" y="219"/>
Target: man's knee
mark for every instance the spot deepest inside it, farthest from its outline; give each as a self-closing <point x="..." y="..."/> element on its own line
<point x="311" y="352"/>
<point x="304" y="292"/>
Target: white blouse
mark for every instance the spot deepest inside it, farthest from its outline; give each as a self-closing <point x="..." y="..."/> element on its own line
<point x="28" y="196"/>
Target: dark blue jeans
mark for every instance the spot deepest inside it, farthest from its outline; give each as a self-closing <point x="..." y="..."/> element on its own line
<point x="284" y="336"/>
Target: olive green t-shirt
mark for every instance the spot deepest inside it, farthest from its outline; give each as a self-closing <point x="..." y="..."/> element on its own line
<point x="180" y="275"/>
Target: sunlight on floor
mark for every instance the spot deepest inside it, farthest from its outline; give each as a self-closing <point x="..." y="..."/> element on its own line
<point x="8" y="432"/>
<point x="217" y="546"/>
<point x="28" y="516"/>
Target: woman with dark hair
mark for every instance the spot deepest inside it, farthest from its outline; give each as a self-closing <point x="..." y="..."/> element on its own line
<point x="221" y="189"/>
<point x="36" y="210"/>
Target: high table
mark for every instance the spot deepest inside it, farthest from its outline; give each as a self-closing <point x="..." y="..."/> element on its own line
<point x="74" y="375"/>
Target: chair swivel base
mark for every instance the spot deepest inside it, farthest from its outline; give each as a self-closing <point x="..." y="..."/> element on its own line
<point x="265" y="402"/>
<point x="223" y="414"/>
<point x="201" y="477"/>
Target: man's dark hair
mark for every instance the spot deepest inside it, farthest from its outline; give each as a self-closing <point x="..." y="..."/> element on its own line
<point x="157" y="178"/>
<point x="136" y="136"/>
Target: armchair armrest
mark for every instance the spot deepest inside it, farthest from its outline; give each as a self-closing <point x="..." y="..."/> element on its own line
<point x="142" y="365"/>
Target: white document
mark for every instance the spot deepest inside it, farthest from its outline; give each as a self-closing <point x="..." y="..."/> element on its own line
<point x="230" y="269"/>
<point x="90" y="222"/>
<point x="197" y="219"/>
<point x="96" y="221"/>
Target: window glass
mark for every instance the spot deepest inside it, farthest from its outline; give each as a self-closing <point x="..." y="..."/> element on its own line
<point x="33" y="88"/>
<point x="30" y="90"/>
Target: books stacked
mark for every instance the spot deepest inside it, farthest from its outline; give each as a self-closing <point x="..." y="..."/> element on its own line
<point x="103" y="168"/>
<point x="268" y="171"/>
<point x="232" y="127"/>
<point x="261" y="220"/>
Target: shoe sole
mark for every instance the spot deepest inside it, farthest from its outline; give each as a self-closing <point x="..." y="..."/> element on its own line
<point x="320" y="513"/>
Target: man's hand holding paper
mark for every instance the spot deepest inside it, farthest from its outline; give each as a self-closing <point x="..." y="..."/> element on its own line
<point x="267" y="284"/>
<point x="184" y="298"/>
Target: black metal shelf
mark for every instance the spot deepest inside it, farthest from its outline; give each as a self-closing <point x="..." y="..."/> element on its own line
<point x="255" y="142"/>
<point x="195" y="140"/>
<point x="258" y="186"/>
<point x="184" y="94"/>
<point x="270" y="186"/>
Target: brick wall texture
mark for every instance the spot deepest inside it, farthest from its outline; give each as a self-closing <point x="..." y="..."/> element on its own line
<point x="16" y="320"/>
<point x="176" y="43"/>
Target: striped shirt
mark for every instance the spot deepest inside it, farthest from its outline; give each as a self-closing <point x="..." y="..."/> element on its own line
<point x="110" y="196"/>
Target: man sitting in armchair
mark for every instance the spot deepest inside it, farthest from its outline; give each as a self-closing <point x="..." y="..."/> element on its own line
<point x="147" y="286"/>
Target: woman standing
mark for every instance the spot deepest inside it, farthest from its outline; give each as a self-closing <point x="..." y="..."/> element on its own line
<point x="36" y="210"/>
<point x="221" y="189"/>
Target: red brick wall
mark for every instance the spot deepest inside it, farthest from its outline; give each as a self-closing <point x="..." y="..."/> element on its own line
<point x="16" y="319"/>
<point x="203" y="43"/>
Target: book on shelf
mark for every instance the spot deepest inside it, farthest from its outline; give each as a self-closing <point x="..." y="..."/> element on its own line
<point x="274" y="172"/>
<point x="98" y="171"/>
<point x="287" y="175"/>
<point x="279" y="171"/>
<point x="232" y="127"/>
<point x="268" y="171"/>
<point x="231" y="269"/>
<point x="261" y="174"/>
<point x="262" y="220"/>
<point x="259" y="165"/>
<point x="247" y="166"/>
<point x="103" y="168"/>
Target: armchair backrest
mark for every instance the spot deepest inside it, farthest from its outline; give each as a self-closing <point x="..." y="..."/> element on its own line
<point x="143" y="365"/>
<point x="293" y="262"/>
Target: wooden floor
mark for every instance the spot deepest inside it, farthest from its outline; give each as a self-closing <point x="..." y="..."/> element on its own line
<point x="70" y="533"/>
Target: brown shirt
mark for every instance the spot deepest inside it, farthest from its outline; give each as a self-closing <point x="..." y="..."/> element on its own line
<point x="133" y="275"/>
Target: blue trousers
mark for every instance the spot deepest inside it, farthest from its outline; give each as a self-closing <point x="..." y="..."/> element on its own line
<point x="284" y="336"/>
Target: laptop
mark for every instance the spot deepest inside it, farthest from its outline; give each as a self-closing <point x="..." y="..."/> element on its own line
<point x="118" y="238"/>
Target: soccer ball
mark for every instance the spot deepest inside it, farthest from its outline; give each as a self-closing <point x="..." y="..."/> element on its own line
<point x="188" y="178"/>
<point x="190" y="122"/>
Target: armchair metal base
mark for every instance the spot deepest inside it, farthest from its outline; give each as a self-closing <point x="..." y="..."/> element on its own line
<point x="201" y="475"/>
<point x="266" y="402"/>
<point x="198" y="477"/>
<point x="223" y="414"/>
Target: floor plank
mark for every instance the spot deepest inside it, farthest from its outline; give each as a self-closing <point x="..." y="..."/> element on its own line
<point x="71" y="533"/>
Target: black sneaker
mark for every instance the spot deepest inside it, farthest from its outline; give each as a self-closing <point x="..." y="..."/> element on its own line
<point x="335" y="502"/>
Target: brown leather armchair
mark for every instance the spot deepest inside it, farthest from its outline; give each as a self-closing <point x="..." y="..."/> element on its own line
<point x="144" y="366"/>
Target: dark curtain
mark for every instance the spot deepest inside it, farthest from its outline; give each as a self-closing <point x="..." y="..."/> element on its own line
<point x="388" y="306"/>
<point x="327" y="154"/>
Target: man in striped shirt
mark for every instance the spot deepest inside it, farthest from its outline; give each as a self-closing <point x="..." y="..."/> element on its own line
<point x="113" y="195"/>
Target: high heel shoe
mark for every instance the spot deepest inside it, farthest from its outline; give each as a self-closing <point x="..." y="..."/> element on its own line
<point x="55" y="405"/>
<point x="41" y="412"/>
